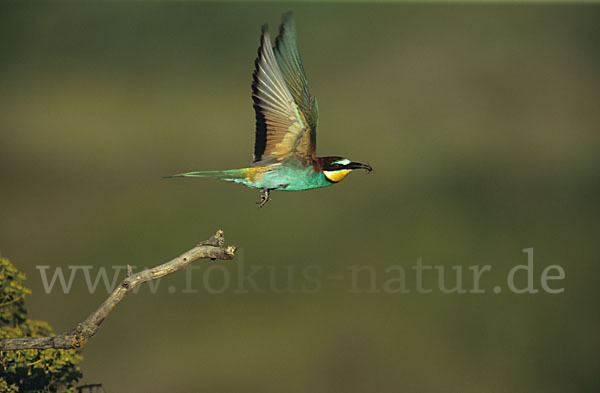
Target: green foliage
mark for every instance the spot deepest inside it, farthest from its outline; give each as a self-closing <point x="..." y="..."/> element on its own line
<point x="32" y="370"/>
<point x="12" y="295"/>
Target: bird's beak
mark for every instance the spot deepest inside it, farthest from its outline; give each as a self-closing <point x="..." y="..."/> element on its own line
<point x="358" y="165"/>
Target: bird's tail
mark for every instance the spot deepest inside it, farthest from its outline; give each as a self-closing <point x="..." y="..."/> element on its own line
<point x="227" y="175"/>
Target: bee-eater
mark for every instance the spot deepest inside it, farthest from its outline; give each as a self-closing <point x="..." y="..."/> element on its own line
<point x="286" y="125"/>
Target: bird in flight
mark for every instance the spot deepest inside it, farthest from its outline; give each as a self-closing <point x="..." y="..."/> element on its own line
<point x="286" y="125"/>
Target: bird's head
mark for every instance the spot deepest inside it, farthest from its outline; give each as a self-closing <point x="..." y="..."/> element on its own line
<point x="336" y="169"/>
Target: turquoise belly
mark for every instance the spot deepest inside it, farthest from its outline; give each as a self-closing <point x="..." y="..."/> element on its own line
<point x="289" y="178"/>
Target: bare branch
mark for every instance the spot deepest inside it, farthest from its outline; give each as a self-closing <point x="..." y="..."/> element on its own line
<point x="213" y="248"/>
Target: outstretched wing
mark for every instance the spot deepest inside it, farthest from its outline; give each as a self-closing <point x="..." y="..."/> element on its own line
<point x="290" y="64"/>
<point x="281" y="130"/>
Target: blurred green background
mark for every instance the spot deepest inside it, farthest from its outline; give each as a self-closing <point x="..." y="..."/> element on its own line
<point x="482" y="125"/>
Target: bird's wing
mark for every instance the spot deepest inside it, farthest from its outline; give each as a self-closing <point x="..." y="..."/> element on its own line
<point x="290" y="64"/>
<point x="281" y="129"/>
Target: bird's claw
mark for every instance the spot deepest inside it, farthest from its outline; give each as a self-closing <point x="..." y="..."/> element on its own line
<point x="264" y="197"/>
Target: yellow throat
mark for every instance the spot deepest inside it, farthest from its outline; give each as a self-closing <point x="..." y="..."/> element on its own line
<point x="336" y="176"/>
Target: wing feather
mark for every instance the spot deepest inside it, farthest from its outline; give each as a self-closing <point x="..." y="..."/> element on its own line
<point x="279" y="124"/>
<point x="288" y="58"/>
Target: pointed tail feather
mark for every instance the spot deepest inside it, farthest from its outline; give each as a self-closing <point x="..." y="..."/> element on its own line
<point x="227" y="175"/>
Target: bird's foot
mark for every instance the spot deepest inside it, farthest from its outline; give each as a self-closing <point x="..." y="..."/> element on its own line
<point x="264" y="197"/>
